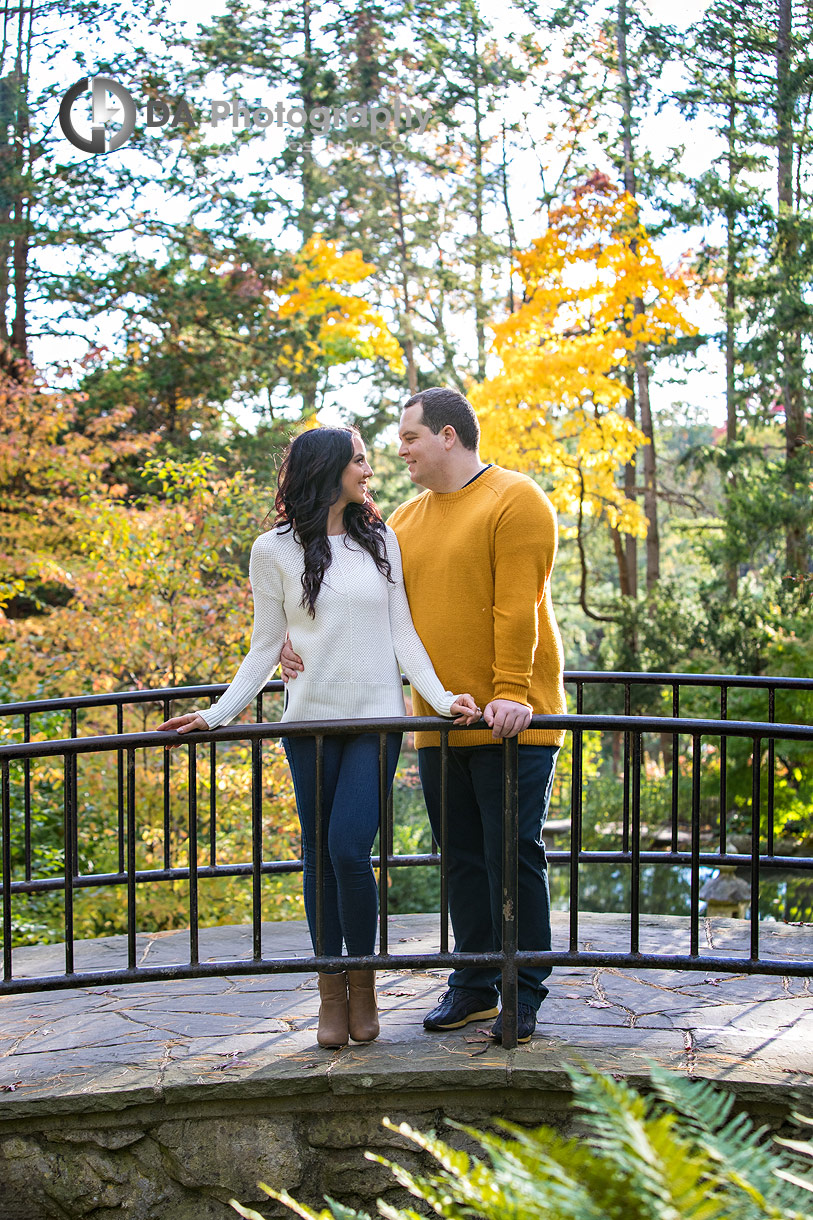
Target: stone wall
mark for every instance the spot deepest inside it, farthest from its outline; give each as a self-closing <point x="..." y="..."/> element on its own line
<point x="186" y="1162"/>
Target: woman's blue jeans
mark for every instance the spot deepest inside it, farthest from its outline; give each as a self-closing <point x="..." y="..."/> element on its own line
<point x="350" y="808"/>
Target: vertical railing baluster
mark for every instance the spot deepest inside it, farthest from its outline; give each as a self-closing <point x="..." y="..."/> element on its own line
<point x="635" y="863"/>
<point x="625" y="838"/>
<point x="769" y="847"/>
<point x="575" y="836"/>
<point x="27" y="796"/>
<point x="75" y="822"/>
<point x="131" y="861"/>
<point x="723" y="773"/>
<point x="694" y="896"/>
<point x="167" y="800"/>
<point x="192" y="776"/>
<point x="320" y="846"/>
<point x="383" y="863"/>
<point x="69" y="840"/>
<point x="675" y="750"/>
<point x="755" y="846"/>
<point x="391" y="822"/>
<point x="444" y="854"/>
<point x="120" y="786"/>
<point x="7" y="924"/>
<point x="256" y="850"/>
<point x="213" y="804"/>
<point x="579" y="698"/>
<point x="510" y="824"/>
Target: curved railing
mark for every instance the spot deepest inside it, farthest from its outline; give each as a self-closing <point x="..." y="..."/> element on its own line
<point x="191" y="850"/>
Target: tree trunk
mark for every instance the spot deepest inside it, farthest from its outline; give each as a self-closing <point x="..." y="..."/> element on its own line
<point x="512" y="241"/>
<point x="791" y="308"/>
<point x="621" y="561"/>
<point x="653" y="547"/>
<point x="409" y="343"/>
<point x="630" y="475"/>
<point x="731" y="294"/>
<point x="307" y="220"/>
<point x="639" y="359"/>
<point x="479" y="304"/>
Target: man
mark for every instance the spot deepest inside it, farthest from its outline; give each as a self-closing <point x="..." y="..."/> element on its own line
<point x="478" y="547"/>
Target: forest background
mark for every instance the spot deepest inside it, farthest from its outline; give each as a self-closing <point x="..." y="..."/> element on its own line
<point x="602" y="205"/>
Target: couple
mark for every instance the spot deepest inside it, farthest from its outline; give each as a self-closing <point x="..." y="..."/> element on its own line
<point x="469" y="562"/>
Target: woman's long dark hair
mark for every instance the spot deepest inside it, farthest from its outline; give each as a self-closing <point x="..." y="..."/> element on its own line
<point x="309" y="482"/>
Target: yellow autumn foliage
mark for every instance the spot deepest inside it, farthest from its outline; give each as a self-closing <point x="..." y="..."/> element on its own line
<point x="557" y="404"/>
<point x="329" y="324"/>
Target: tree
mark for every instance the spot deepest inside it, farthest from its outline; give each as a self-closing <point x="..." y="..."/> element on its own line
<point x="557" y="405"/>
<point x="51" y="474"/>
<point x="718" y="61"/>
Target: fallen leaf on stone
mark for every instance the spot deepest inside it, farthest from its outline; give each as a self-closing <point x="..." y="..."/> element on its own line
<point x="714" y="982"/>
<point x="234" y="1060"/>
<point x="11" y="1088"/>
<point x="599" y="1004"/>
<point x="397" y="993"/>
<point x="482" y="1038"/>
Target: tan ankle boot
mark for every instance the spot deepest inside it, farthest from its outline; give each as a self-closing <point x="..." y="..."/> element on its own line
<point x="332" y="1029"/>
<point x="361" y="1005"/>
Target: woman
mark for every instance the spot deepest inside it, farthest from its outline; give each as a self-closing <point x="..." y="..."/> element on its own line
<point x="329" y="574"/>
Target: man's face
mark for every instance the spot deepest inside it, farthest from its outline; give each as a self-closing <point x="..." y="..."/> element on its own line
<point x="424" y="451"/>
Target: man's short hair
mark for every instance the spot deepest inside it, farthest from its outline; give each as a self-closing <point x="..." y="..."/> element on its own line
<point x="441" y="407"/>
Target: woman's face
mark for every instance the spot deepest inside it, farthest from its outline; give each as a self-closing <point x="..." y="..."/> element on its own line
<point x="355" y="475"/>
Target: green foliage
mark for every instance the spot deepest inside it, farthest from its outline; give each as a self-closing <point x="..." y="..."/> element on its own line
<point x="679" y="1154"/>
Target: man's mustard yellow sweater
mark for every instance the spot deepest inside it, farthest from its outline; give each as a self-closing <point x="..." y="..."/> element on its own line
<point x="477" y="568"/>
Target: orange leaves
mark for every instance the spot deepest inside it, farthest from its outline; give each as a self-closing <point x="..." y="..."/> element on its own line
<point x="50" y="471"/>
<point x="595" y="292"/>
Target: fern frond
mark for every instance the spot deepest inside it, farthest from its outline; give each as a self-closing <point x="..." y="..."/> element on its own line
<point x="340" y="1212"/>
<point x="294" y="1205"/>
<point x="247" y="1213"/>
<point x="740" y="1148"/>
<point x="397" y="1213"/>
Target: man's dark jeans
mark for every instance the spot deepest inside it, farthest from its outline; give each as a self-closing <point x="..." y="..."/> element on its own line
<point x="474" y="857"/>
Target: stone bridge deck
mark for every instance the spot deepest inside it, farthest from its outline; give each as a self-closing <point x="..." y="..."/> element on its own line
<point x="163" y="1099"/>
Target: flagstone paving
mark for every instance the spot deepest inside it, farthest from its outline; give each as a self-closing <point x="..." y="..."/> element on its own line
<point x="120" y="1045"/>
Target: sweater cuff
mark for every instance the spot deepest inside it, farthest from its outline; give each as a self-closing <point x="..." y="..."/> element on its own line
<point x="517" y="694"/>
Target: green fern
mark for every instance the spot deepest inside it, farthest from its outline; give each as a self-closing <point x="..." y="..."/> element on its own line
<point x="680" y="1154"/>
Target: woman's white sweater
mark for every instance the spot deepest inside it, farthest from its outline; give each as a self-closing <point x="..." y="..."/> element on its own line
<point x="354" y="648"/>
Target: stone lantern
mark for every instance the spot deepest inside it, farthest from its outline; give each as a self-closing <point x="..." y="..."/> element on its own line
<point x="726" y="895"/>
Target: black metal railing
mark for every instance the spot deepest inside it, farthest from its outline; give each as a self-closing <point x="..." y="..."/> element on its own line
<point x="755" y="741"/>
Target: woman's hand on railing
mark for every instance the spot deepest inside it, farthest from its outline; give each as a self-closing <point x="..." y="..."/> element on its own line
<point x="466" y="710"/>
<point x="190" y="722"/>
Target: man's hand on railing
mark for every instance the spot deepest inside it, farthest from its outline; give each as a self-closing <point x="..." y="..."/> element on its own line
<point x="290" y="662"/>
<point x="190" y="722"/>
<point x="506" y="718"/>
